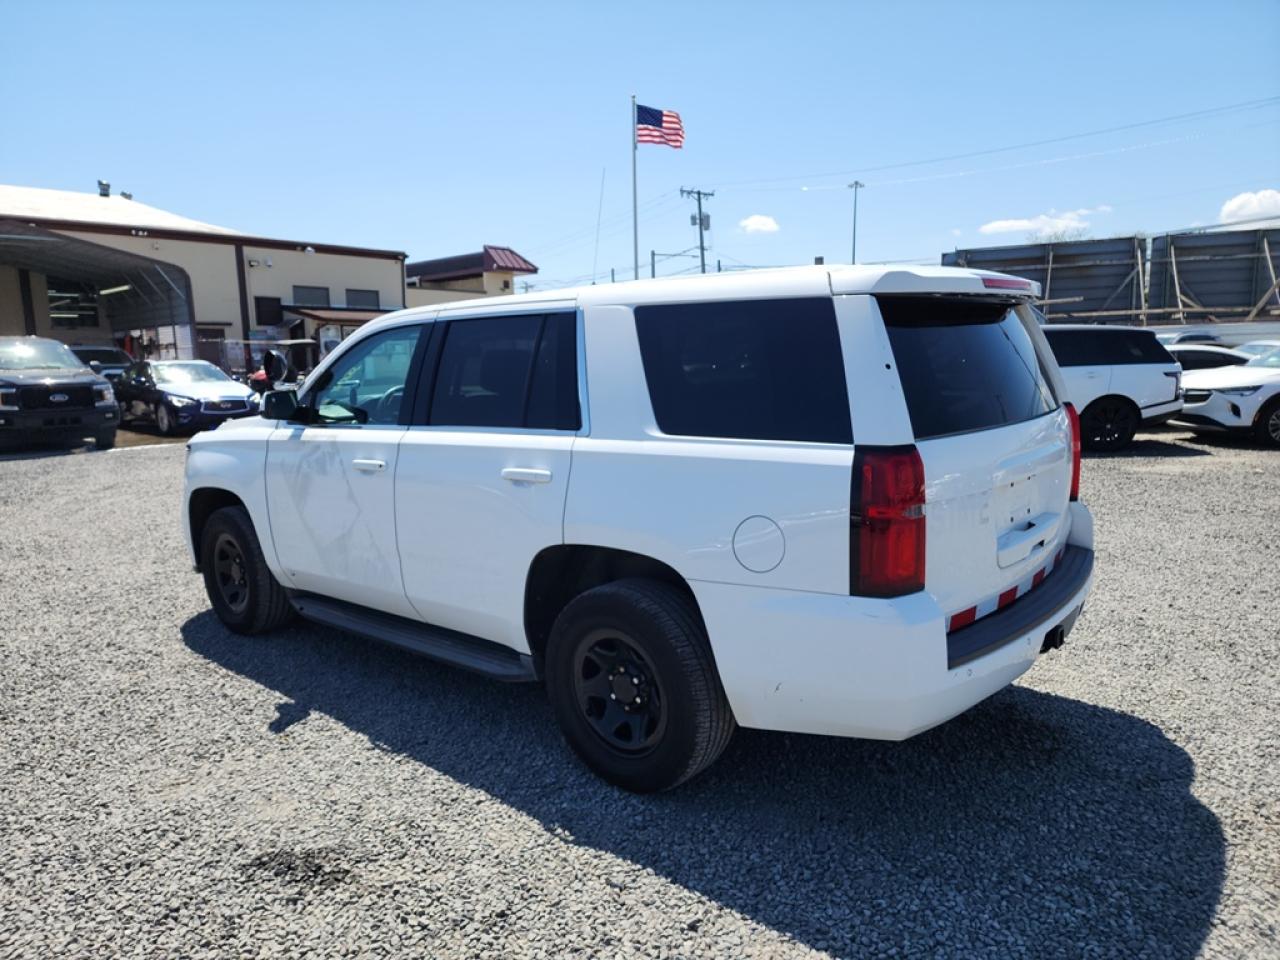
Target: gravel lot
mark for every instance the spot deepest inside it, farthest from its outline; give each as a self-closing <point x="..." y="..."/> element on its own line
<point x="168" y="789"/>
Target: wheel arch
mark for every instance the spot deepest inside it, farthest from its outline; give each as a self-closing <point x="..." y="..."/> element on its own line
<point x="562" y="572"/>
<point x="201" y="505"/>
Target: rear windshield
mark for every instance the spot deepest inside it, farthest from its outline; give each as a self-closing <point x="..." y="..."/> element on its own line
<point x="965" y="365"/>
<point x="102" y="355"/>
<point x="1104" y="348"/>
<point x="750" y="369"/>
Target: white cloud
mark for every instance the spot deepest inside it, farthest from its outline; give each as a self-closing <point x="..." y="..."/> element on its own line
<point x="1250" y="206"/>
<point x="1046" y="223"/>
<point x="759" y="223"/>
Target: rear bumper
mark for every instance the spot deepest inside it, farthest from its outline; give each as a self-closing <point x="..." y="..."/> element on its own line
<point x="1160" y="412"/>
<point x="880" y="669"/>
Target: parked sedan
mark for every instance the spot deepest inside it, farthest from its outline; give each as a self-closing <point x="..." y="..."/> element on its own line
<point x="1244" y="399"/>
<point x="1206" y="356"/>
<point x="1256" y="348"/>
<point x="182" y="395"/>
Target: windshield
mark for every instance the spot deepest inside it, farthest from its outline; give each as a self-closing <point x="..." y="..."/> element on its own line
<point x="197" y="371"/>
<point x="1271" y="360"/>
<point x="36" y="354"/>
<point x="1259" y="347"/>
<point x="105" y="355"/>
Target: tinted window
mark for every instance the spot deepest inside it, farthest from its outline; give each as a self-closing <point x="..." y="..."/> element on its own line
<point x="362" y="298"/>
<point x="1204" y="359"/>
<point x="1103" y="347"/>
<point x="508" y="372"/>
<point x="311" y="296"/>
<point x="964" y="365"/>
<point x="758" y="369"/>
<point x="367" y="383"/>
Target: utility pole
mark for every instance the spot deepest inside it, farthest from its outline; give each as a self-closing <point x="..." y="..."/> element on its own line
<point x="853" y="248"/>
<point x="703" y="221"/>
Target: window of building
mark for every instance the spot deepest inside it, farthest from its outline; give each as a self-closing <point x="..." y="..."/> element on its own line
<point x="311" y="296"/>
<point x="363" y="298"/>
<point x="508" y="372"/>
<point x="71" y="304"/>
<point x="267" y="310"/>
<point x="752" y="369"/>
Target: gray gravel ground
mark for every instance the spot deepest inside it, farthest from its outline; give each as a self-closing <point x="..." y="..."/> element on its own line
<point x="167" y="789"/>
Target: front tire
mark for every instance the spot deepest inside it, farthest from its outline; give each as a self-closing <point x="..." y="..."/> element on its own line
<point x="164" y="419"/>
<point x="1267" y="428"/>
<point x="1108" y="424"/>
<point x="631" y="679"/>
<point x="244" y="594"/>
<point x="106" y="439"/>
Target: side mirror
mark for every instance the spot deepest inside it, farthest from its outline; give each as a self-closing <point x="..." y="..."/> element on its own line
<point x="280" y="404"/>
<point x="95" y="366"/>
<point x="275" y="366"/>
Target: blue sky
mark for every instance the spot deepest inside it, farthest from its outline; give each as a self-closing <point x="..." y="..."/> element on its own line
<point x="434" y="128"/>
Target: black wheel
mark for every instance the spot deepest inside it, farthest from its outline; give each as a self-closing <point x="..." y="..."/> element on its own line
<point x="164" y="419"/>
<point x="1267" y="427"/>
<point x="1109" y="423"/>
<point x="105" y="439"/>
<point x="634" y="687"/>
<point x="244" y="594"/>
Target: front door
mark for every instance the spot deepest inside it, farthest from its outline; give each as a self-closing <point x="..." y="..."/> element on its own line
<point x="484" y="471"/>
<point x="329" y="481"/>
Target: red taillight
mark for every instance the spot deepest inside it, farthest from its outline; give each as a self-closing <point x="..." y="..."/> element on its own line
<point x="886" y="534"/>
<point x="1075" y="450"/>
<point x="1005" y="283"/>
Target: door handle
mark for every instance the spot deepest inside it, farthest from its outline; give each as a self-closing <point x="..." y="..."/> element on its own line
<point x="369" y="466"/>
<point x="526" y="475"/>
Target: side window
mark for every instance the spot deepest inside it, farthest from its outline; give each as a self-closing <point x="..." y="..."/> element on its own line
<point x="1143" y="347"/>
<point x="367" y="383"/>
<point x="1071" y="348"/>
<point x="751" y="369"/>
<point x="508" y="372"/>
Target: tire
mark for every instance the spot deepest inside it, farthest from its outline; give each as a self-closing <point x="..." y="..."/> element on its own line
<point x="243" y="593"/>
<point x="650" y="633"/>
<point x="1267" y="427"/>
<point x="106" y="439"/>
<point x="1109" y="423"/>
<point x="164" y="419"/>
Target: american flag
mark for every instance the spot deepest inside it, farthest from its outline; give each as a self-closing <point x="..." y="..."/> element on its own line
<point x="659" y="126"/>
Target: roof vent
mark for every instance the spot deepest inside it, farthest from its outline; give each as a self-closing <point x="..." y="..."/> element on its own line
<point x="104" y="188"/>
<point x="126" y="195"/>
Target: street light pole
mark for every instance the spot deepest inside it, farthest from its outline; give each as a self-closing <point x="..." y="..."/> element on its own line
<point x="853" y="247"/>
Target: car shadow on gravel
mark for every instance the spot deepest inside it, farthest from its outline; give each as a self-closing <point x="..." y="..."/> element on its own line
<point x="1148" y="447"/>
<point x="1034" y="824"/>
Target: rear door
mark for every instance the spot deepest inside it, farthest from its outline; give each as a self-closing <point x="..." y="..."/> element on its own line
<point x="1085" y="367"/>
<point x="484" y="469"/>
<point x="994" y="440"/>
<point x="1144" y="371"/>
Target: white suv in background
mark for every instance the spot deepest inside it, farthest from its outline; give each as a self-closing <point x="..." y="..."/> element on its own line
<point x="836" y="501"/>
<point x="1119" y="378"/>
<point x="1241" y="399"/>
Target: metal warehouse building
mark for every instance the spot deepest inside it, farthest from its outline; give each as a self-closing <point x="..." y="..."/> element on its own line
<point x="103" y="269"/>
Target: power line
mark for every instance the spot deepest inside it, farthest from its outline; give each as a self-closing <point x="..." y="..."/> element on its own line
<point x="1174" y="118"/>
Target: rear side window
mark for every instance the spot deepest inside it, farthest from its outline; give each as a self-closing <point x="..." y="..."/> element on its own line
<point x="750" y="369"/>
<point x="1103" y="347"/>
<point x="508" y="372"/>
<point x="965" y="365"/>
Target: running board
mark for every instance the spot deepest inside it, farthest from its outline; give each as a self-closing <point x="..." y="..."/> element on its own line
<point x="446" y="646"/>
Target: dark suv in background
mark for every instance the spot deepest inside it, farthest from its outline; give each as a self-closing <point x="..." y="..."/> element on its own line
<point x="108" y="361"/>
<point x="48" y="395"/>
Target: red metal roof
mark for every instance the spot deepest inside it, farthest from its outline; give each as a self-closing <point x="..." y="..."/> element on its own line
<point x="465" y="265"/>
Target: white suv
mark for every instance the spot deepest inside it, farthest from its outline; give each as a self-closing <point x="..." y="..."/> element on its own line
<point x="824" y="500"/>
<point x="1119" y="378"/>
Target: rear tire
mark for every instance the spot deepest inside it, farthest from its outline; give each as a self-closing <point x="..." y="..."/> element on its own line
<point x="1267" y="427"/>
<point x="634" y="687"/>
<point x="1109" y="423"/>
<point x="106" y="439"/>
<point x="243" y="593"/>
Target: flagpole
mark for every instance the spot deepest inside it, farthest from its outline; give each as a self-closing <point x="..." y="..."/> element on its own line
<point x="635" y="219"/>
